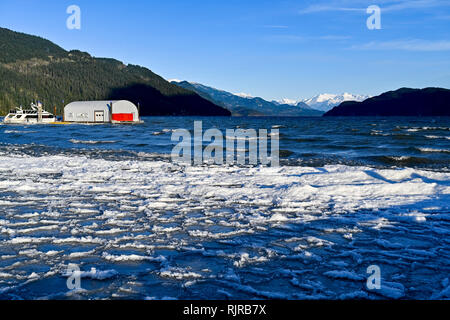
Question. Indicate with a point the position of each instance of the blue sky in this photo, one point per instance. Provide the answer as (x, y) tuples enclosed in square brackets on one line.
[(271, 49)]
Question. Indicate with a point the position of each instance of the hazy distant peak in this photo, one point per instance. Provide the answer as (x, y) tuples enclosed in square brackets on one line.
[(175, 80), (244, 95)]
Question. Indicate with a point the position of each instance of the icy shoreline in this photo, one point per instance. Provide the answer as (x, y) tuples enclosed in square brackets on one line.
[(221, 232)]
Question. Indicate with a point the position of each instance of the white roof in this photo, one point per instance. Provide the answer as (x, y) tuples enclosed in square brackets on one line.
[(101, 104), (95, 103)]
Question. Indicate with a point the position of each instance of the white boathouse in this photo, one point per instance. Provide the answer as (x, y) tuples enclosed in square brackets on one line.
[(120, 111)]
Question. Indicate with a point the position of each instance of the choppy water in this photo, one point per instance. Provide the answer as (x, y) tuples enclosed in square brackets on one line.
[(350, 193), (382, 142)]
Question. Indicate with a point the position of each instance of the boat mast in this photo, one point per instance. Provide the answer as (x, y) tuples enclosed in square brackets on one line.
[(39, 106)]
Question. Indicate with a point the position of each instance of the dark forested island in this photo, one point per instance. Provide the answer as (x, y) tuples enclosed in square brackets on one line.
[(402, 102), (32, 68)]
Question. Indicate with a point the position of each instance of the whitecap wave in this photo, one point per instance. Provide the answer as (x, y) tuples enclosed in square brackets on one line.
[(74, 141)]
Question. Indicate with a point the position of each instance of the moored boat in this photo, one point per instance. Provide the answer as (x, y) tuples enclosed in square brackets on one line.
[(35, 115)]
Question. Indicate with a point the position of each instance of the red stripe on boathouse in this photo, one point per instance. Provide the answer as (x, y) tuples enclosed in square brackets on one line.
[(122, 117)]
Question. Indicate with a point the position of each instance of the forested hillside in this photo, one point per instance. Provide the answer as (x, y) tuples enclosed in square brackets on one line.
[(32, 68)]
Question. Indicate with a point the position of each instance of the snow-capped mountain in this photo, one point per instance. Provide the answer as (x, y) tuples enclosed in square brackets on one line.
[(326, 102), (292, 102), (242, 104)]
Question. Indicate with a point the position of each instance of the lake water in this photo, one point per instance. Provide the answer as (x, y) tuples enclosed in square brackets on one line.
[(350, 193)]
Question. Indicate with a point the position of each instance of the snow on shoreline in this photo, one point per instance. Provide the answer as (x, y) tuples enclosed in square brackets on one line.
[(315, 230)]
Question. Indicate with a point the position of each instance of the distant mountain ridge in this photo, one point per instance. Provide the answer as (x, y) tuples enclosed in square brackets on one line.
[(401, 102), (245, 105), (325, 102), (33, 68)]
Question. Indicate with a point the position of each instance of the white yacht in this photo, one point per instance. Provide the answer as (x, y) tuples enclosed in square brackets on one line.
[(29, 116)]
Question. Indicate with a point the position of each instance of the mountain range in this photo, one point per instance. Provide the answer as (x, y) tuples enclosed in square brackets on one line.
[(326, 102), (245, 105), (33, 68), (241, 104)]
